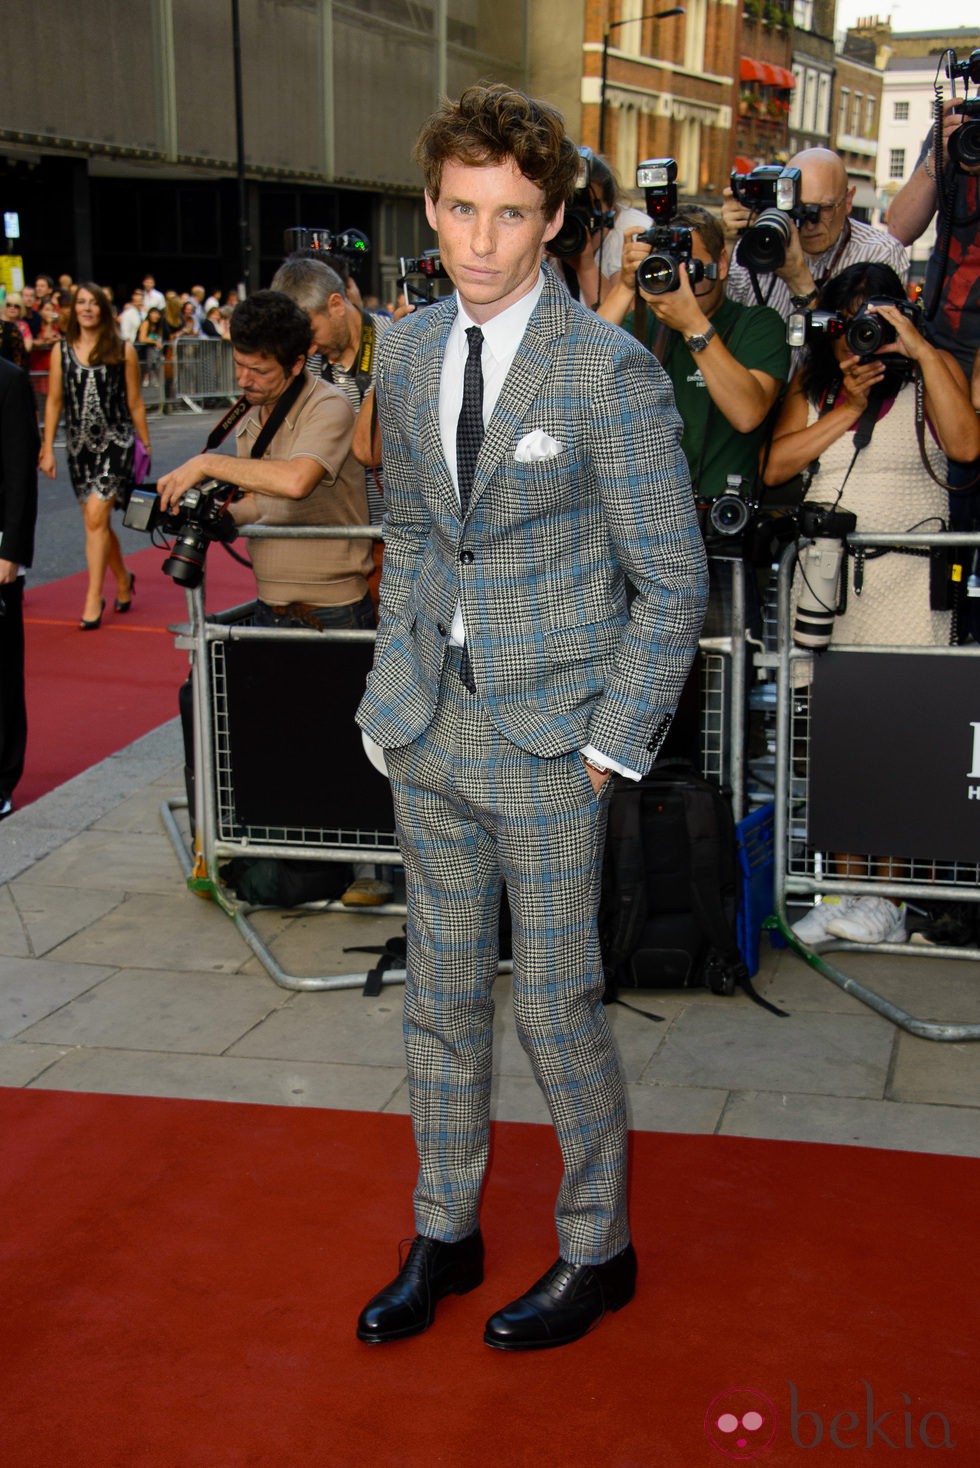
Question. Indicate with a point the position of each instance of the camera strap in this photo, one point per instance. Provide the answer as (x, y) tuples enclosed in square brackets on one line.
[(268, 430), (365, 356)]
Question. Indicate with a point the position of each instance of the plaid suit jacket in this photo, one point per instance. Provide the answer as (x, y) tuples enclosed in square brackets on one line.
[(541, 560)]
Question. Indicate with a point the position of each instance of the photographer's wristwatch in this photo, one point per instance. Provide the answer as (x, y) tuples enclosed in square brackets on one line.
[(700, 341)]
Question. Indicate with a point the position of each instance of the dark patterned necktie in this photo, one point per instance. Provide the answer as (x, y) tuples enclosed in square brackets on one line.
[(469, 437), (469, 427)]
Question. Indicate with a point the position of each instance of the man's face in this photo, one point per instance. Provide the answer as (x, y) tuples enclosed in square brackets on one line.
[(492, 230), (823, 184), (331, 333), (709, 293), (137, 297), (41, 287), (28, 297), (261, 378)]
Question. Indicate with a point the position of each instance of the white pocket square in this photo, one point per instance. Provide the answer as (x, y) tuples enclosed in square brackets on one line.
[(537, 445)]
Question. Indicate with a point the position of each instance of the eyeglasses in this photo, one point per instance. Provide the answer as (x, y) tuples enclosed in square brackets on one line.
[(826, 210)]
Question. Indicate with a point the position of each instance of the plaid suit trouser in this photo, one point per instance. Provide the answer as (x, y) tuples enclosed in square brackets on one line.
[(474, 810)]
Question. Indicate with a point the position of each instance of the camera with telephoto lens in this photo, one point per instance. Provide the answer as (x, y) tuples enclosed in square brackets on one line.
[(200, 518), (583, 217), (772, 193), (353, 244), (426, 267), (671, 245), (964, 143), (822, 592)]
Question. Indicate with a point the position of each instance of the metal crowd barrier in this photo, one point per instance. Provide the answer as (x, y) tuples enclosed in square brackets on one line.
[(235, 815), (801, 868), (203, 370)]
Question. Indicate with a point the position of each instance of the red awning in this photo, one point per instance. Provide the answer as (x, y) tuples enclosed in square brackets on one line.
[(766, 74)]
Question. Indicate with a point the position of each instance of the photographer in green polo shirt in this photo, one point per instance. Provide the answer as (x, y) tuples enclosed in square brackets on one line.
[(727, 362)]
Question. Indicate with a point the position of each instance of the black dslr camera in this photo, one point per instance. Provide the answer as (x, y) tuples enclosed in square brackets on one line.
[(426, 267), (964, 144), (351, 243), (865, 333), (200, 518), (583, 218), (670, 245), (772, 193)]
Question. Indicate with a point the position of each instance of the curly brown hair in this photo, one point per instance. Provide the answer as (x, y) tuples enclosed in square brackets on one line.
[(492, 122)]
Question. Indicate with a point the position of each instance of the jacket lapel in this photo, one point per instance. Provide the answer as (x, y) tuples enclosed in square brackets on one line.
[(429, 360), (528, 370)]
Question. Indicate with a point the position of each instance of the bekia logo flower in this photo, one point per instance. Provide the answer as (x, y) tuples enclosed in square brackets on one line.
[(741, 1423)]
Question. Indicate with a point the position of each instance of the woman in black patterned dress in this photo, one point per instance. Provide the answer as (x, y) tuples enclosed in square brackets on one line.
[(95, 378)]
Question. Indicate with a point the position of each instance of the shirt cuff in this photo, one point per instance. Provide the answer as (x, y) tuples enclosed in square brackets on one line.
[(590, 752)]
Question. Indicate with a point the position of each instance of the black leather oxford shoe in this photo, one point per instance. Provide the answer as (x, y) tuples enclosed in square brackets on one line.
[(432, 1270), (564, 1304)]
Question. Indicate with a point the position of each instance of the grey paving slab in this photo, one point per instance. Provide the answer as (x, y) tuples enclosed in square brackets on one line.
[(23, 843), (728, 1048), (936, 1072), (336, 1025), (849, 1121), (697, 1109), (217, 1078), (13, 932), (149, 1010), (139, 812), (114, 861), (176, 932), (32, 989), (20, 1064), (50, 915)]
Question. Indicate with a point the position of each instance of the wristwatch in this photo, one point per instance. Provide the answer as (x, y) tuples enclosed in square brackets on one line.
[(699, 342), (800, 303), (596, 765)]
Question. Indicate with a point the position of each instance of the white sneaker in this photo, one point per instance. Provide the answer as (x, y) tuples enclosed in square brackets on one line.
[(870, 920), (812, 927)]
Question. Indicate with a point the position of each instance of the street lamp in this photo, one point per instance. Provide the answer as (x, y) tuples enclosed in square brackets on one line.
[(614, 26)]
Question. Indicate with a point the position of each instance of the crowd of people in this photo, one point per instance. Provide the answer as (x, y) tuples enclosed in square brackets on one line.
[(539, 442)]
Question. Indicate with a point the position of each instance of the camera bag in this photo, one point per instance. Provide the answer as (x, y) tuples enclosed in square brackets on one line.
[(671, 886)]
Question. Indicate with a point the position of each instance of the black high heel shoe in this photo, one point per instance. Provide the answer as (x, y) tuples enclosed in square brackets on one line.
[(95, 624), (124, 606)]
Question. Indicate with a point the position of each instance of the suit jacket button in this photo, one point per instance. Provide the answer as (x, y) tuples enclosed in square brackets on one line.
[(466, 557)]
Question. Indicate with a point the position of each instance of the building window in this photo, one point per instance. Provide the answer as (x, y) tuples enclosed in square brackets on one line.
[(845, 102), (900, 112), (855, 126), (869, 117), (803, 15), (896, 163)]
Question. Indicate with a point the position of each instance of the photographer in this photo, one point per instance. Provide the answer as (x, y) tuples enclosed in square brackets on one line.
[(345, 341), (597, 223), (818, 248), (304, 475), (726, 363), (956, 279), (884, 483)]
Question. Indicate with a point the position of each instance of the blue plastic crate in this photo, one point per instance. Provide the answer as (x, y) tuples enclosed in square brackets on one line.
[(756, 858)]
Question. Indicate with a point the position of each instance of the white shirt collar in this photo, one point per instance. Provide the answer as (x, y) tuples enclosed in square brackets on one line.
[(502, 334)]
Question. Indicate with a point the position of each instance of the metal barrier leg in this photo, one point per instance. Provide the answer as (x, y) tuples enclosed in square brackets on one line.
[(239, 913), (924, 1029)]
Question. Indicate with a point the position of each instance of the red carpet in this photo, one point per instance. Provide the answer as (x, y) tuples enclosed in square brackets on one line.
[(181, 1282), (91, 693)]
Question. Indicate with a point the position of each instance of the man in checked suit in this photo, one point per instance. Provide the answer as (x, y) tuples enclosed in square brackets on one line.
[(531, 467)]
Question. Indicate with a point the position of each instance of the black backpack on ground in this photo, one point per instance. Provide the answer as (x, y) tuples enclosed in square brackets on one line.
[(671, 887)]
